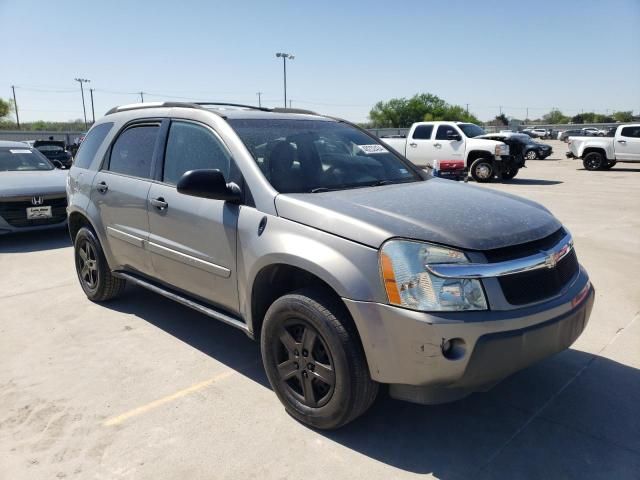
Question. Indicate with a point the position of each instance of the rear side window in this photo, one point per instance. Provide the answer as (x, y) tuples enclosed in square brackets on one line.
[(90, 145), (423, 132), (443, 132), (132, 153), (632, 132), (193, 147)]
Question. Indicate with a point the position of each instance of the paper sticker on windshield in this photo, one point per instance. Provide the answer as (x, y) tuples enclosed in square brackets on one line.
[(19, 151), (371, 149)]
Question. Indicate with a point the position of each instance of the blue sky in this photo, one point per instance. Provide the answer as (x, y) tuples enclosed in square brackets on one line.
[(540, 54)]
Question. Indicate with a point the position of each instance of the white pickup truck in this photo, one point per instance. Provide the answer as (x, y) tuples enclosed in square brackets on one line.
[(602, 153), (430, 142)]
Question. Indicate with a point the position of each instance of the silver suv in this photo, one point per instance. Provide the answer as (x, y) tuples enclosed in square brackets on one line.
[(351, 266)]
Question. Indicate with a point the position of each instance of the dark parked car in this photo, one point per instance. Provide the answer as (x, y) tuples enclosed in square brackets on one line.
[(521, 146), (572, 133), (55, 150)]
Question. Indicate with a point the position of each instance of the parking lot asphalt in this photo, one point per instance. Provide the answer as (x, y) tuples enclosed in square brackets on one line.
[(143, 388)]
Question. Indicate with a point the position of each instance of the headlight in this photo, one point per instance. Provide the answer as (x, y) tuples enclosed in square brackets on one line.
[(409, 284), (502, 149)]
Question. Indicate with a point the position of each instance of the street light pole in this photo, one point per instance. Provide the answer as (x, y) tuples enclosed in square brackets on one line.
[(284, 66), (15, 105), (259, 99), (93, 112), (84, 110)]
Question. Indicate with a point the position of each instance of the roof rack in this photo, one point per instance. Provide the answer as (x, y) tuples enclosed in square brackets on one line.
[(225, 104), (201, 105), (136, 106)]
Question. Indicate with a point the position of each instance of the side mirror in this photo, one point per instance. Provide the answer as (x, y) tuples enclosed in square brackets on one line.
[(454, 136), (208, 184)]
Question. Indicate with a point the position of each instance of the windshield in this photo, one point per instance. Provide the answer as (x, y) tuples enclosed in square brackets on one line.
[(471, 130), (310, 156), (50, 148), (22, 159)]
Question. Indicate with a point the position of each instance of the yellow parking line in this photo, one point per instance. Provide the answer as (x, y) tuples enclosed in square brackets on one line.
[(170, 398)]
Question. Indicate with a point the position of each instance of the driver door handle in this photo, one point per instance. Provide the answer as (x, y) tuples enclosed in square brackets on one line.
[(622, 141), (102, 187), (159, 203), (437, 145), (414, 145)]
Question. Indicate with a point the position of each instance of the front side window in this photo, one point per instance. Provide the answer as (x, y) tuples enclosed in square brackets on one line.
[(471, 130), (632, 132), (423, 132), (444, 131), (193, 147), (310, 156), (23, 160), (89, 147), (132, 153)]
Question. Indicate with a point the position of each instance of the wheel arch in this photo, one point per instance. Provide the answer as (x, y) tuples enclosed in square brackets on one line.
[(475, 154), (599, 150)]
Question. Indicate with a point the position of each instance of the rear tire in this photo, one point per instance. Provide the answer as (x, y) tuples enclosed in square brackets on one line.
[(482, 170), (531, 155), (314, 360), (594, 161), (95, 277)]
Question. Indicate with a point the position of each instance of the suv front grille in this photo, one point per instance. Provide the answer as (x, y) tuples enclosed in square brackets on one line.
[(14, 212), (537, 285)]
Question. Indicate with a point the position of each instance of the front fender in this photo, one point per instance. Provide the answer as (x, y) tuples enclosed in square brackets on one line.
[(349, 268)]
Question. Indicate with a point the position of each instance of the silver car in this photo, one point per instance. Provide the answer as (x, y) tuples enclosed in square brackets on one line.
[(32, 191), (351, 266)]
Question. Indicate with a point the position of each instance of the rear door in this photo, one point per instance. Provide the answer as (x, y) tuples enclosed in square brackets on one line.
[(627, 144), (193, 240), (445, 149), (120, 190), (420, 145)]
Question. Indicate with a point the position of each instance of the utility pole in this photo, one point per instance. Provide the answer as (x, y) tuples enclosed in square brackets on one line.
[(141, 97), (259, 99), (284, 66), (15, 105), (84, 110), (527, 117), (467, 109), (290, 103), (93, 112), (500, 109)]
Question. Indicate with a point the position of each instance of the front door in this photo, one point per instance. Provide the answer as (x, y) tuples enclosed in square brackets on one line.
[(120, 192), (445, 149), (193, 240), (627, 144)]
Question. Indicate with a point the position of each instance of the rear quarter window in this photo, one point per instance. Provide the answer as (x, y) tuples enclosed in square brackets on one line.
[(89, 147)]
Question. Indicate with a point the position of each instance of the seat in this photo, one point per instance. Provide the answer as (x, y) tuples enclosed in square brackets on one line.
[(283, 175)]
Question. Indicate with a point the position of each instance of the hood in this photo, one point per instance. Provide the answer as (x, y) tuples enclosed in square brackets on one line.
[(476, 142), (439, 211), (45, 182)]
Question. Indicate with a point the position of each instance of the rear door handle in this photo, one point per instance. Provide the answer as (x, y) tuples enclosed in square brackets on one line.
[(622, 141), (437, 145), (159, 203), (102, 187), (414, 145)]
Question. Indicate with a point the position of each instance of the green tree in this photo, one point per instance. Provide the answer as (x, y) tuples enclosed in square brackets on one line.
[(577, 118), (6, 107), (402, 112), (555, 116), (623, 116), (502, 119)]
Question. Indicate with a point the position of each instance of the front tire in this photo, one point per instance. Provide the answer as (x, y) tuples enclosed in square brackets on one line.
[(510, 173), (314, 360), (482, 170), (531, 155), (594, 161), (95, 277)]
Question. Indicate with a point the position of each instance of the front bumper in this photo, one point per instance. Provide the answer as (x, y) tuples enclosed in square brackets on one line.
[(404, 347)]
